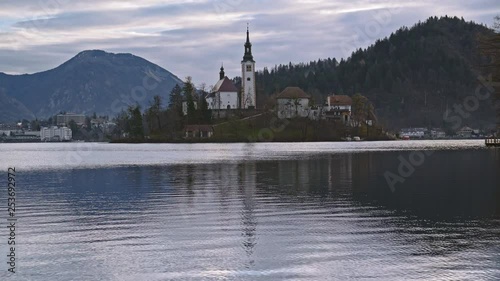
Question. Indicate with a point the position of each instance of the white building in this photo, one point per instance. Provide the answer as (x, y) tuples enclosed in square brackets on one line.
[(465, 132), (248, 95), (56, 134), (5, 133), (437, 133), (292, 102), (64, 119), (338, 107), (413, 133), (224, 95)]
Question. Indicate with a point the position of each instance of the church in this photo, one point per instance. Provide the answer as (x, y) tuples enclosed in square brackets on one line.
[(225, 95)]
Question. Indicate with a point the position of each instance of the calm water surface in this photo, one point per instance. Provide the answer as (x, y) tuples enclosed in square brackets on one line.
[(303, 211)]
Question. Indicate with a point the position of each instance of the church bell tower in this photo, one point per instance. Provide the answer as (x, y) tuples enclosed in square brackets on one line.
[(248, 95)]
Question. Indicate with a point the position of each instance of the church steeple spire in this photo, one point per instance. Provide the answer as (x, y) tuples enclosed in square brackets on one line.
[(248, 48), (221, 73)]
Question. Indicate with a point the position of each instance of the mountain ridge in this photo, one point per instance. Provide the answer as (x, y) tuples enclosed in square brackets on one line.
[(91, 81)]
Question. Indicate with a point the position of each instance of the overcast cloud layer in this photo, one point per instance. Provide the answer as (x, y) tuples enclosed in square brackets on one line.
[(194, 37)]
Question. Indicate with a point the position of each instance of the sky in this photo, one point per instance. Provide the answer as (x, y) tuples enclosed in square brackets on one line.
[(193, 37)]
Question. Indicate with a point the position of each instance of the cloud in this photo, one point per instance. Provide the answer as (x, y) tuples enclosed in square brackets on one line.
[(194, 37)]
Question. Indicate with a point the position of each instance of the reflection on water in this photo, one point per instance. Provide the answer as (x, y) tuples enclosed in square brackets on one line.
[(322, 217)]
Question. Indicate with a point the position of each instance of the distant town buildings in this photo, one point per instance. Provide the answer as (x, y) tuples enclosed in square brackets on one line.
[(438, 133), (56, 134), (465, 132), (64, 119), (103, 124), (413, 133)]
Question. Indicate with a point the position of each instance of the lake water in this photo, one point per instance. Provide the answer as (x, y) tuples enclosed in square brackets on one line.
[(301, 211)]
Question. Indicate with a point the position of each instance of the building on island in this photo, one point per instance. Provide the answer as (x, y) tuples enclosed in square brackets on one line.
[(224, 94), (338, 107), (249, 92), (56, 134), (64, 119), (292, 102)]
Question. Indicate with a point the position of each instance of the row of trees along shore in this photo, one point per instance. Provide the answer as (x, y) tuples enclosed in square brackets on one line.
[(162, 123)]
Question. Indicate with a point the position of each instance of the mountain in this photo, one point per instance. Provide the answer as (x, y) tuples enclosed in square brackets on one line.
[(412, 77), (92, 81)]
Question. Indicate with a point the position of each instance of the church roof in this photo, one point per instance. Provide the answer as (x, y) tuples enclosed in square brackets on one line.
[(293, 93), (225, 85), (340, 100)]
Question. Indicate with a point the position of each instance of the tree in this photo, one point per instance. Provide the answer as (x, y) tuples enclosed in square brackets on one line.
[(361, 109), (205, 114), (74, 127), (490, 47), (135, 127), (35, 125), (153, 114), (188, 91), (176, 99)]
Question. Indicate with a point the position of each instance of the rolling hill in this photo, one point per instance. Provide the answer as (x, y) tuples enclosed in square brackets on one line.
[(412, 77)]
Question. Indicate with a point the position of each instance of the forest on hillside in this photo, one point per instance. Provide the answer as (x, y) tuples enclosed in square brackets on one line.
[(412, 77)]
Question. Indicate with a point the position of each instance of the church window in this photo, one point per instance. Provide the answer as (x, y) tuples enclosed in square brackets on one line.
[(248, 79), (249, 68)]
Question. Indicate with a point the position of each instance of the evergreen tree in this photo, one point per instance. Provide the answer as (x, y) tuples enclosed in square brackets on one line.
[(135, 127), (189, 93), (176, 99)]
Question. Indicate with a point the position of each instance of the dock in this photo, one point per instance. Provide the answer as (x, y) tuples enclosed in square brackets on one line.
[(493, 142)]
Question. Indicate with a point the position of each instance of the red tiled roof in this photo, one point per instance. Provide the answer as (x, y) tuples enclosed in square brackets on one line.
[(225, 85), (340, 100), (293, 93)]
